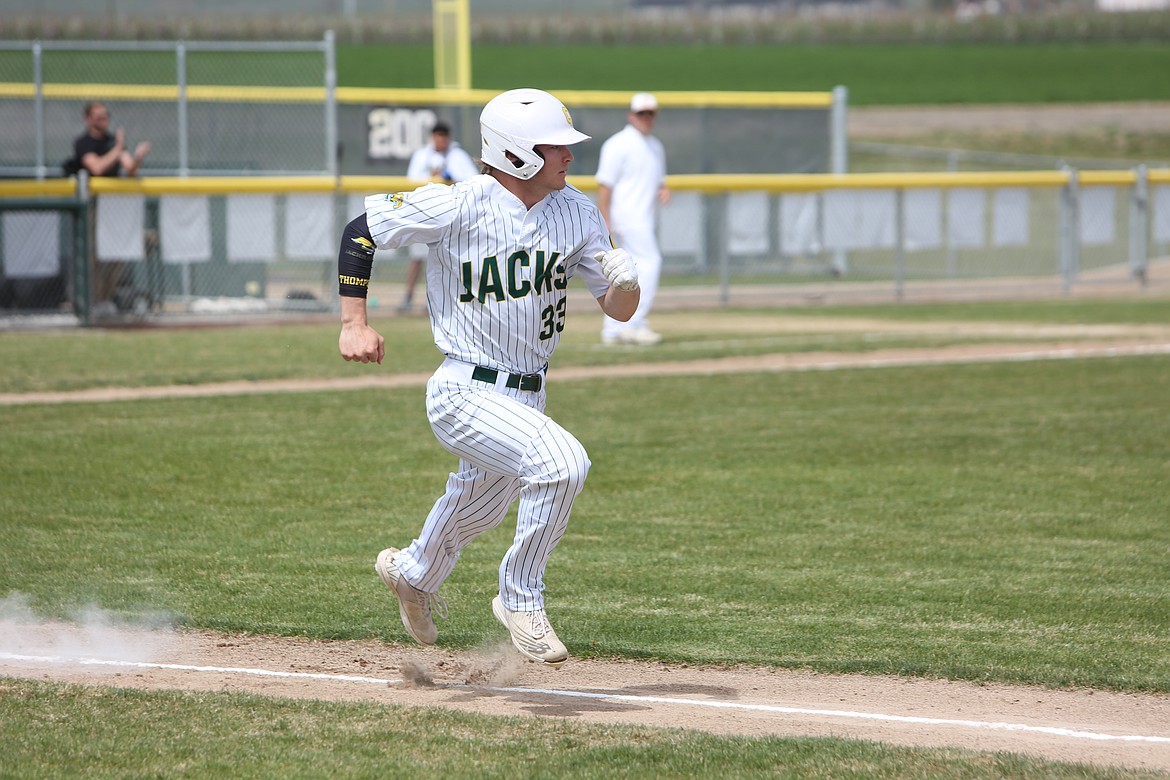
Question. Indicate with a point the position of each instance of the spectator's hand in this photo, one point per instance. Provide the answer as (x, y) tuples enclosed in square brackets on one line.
[(141, 151), (120, 138)]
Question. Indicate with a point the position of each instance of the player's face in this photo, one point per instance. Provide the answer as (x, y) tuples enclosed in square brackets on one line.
[(556, 166)]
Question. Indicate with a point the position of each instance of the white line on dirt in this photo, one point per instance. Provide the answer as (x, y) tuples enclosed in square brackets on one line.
[(974, 724), (714, 704), (64, 660)]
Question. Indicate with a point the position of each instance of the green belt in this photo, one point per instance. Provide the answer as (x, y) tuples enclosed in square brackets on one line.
[(529, 382)]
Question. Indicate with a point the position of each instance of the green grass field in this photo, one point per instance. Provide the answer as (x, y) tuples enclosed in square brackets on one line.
[(874, 74), (69, 731), (877, 74), (988, 522)]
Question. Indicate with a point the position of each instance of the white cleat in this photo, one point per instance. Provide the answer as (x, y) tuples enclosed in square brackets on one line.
[(532, 635), (644, 337), (640, 337), (414, 605)]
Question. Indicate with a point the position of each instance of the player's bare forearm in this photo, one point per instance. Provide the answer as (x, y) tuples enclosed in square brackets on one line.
[(620, 304), (358, 341)]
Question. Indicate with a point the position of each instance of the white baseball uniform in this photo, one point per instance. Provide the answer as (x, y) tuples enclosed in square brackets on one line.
[(497, 278), (427, 163), (633, 166)]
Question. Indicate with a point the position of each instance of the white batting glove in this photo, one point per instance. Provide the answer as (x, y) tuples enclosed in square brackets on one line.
[(618, 267)]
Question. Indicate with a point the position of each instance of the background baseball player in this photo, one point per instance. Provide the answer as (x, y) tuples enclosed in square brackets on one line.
[(631, 172), (503, 247), (442, 159)]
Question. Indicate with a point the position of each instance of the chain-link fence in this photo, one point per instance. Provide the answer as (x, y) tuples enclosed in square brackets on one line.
[(701, 132), (212, 247), (1017, 234), (242, 109), (1045, 228), (196, 243), (41, 241), (234, 108), (227, 108)]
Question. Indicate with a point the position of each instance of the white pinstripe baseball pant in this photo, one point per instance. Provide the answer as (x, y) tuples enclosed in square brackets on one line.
[(507, 447)]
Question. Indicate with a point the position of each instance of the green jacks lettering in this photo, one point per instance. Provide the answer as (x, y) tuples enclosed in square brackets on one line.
[(514, 280)]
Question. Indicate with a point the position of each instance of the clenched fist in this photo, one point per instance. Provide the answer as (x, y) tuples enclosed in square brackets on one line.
[(618, 267)]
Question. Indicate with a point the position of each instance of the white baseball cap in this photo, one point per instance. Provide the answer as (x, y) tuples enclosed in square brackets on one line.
[(643, 101)]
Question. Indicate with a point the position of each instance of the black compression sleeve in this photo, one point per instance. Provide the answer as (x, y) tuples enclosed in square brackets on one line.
[(355, 259)]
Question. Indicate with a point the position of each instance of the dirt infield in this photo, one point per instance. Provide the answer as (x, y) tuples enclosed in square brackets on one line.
[(1159, 344), (1085, 726)]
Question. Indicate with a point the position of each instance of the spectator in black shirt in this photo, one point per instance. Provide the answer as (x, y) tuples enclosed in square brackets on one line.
[(101, 153)]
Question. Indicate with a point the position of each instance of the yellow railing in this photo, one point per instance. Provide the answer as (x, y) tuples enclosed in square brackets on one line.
[(38, 188), (703, 183), (367, 95)]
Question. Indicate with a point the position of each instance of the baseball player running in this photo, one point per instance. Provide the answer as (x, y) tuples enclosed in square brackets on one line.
[(503, 246)]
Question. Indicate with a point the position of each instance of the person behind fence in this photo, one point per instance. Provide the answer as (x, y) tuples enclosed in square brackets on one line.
[(504, 246), (440, 160), (101, 152), (631, 174)]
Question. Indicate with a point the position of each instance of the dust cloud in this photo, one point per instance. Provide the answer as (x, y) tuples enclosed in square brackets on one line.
[(92, 634)]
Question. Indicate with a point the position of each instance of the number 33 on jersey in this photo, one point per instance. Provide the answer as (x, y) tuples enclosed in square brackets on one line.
[(521, 276)]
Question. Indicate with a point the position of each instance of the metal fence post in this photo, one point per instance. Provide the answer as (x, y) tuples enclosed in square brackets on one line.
[(717, 230), (39, 108), (83, 229), (181, 76), (838, 135), (331, 166), (900, 242), (952, 253), (1139, 225), (1070, 238), (839, 159)]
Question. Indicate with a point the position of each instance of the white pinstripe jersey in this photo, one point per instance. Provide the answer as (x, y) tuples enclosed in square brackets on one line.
[(497, 273)]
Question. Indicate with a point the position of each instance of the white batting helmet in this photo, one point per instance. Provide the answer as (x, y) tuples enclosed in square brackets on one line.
[(516, 121)]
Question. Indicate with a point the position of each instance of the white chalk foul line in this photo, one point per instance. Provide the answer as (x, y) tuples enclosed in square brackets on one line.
[(59, 659), (976, 724), (846, 714)]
